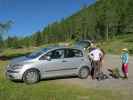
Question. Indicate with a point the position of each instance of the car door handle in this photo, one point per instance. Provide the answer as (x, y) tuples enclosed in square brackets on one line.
[(64, 61), (82, 59)]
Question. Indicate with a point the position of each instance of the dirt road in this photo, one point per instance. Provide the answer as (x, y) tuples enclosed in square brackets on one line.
[(111, 61)]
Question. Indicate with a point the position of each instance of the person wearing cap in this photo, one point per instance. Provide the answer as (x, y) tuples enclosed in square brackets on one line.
[(124, 60)]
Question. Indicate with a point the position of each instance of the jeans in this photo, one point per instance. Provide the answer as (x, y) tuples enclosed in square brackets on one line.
[(95, 68)]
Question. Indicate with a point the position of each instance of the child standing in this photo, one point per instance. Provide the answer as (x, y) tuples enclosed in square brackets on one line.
[(124, 59)]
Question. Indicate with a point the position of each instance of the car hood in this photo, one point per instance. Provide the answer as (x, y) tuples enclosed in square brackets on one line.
[(22, 59)]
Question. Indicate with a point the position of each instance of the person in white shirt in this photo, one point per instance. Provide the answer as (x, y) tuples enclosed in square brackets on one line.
[(96, 56)]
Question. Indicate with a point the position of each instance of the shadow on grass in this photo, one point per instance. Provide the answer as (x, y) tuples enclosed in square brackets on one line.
[(47, 79), (5, 57), (59, 78)]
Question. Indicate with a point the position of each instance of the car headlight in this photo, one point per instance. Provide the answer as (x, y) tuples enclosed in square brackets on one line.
[(16, 66)]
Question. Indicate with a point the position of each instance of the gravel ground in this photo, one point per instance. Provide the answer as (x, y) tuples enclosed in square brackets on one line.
[(110, 61)]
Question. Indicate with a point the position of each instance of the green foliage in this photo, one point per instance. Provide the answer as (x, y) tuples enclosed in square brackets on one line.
[(53, 90), (4, 27), (112, 17), (116, 44), (116, 73), (103, 20), (1, 42)]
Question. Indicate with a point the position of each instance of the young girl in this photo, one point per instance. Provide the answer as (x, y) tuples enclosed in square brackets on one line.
[(124, 59)]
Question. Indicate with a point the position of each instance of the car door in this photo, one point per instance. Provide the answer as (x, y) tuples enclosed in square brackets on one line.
[(73, 58), (53, 66)]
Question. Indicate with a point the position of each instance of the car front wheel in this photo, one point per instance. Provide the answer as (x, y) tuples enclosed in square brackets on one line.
[(31, 76)]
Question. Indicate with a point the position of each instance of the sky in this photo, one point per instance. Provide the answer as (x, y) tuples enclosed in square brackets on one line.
[(30, 16)]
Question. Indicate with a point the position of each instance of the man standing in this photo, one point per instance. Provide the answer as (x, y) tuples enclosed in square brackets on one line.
[(95, 56)]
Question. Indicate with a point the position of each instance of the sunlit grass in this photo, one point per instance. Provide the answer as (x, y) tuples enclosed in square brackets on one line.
[(115, 45), (52, 89)]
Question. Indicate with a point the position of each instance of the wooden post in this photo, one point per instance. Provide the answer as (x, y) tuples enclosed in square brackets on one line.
[(107, 32)]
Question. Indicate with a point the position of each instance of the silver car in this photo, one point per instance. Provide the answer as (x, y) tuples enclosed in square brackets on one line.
[(49, 63)]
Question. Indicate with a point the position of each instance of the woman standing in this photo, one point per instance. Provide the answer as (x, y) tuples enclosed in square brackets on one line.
[(124, 60)]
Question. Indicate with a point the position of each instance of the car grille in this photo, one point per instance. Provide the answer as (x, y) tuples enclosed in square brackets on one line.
[(11, 71)]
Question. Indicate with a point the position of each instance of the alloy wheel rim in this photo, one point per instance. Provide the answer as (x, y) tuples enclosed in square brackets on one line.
[(84, 72), (31, 76)]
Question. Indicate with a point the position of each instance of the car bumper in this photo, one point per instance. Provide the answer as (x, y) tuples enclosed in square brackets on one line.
[(13, 75)]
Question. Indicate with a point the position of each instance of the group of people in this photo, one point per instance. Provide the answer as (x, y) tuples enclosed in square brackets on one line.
[(96, 56)]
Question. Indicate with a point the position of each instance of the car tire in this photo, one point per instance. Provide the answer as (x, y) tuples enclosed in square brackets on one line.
[(31, 76), (84, 72)]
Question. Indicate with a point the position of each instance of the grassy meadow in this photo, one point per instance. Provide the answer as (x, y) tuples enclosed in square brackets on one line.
[(49, 89), (115, 44)]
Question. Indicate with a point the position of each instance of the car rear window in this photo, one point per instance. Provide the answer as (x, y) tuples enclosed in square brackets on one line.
[(69, 53)]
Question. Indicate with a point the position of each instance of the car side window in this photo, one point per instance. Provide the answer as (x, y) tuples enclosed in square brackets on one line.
[(56, 54), (70, 53), (78, 53)]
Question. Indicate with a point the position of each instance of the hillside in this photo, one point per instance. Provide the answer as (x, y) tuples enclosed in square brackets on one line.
[(103, 20), (116, 44)]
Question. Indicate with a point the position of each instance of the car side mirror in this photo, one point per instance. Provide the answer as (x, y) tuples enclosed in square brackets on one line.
[(48, 58), (45, 58)]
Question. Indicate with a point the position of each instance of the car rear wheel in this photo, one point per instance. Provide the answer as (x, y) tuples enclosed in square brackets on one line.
[(84, 72), (31, 76)]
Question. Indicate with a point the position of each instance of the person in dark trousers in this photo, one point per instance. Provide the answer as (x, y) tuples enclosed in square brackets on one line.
[(96, 56)]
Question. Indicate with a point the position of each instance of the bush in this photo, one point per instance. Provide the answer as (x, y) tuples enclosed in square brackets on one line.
[(131, 51), (116, 73)]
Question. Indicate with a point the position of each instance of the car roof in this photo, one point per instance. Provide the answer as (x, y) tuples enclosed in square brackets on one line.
[(60, 47), (67, 48), (85, 41)]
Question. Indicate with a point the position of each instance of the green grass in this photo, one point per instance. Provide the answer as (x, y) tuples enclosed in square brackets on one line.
[(53, 90), (115, 45), (50, 89), (11, 53)]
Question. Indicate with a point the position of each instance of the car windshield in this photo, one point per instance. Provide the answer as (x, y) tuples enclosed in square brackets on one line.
[(37, 53), (82, 44)]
